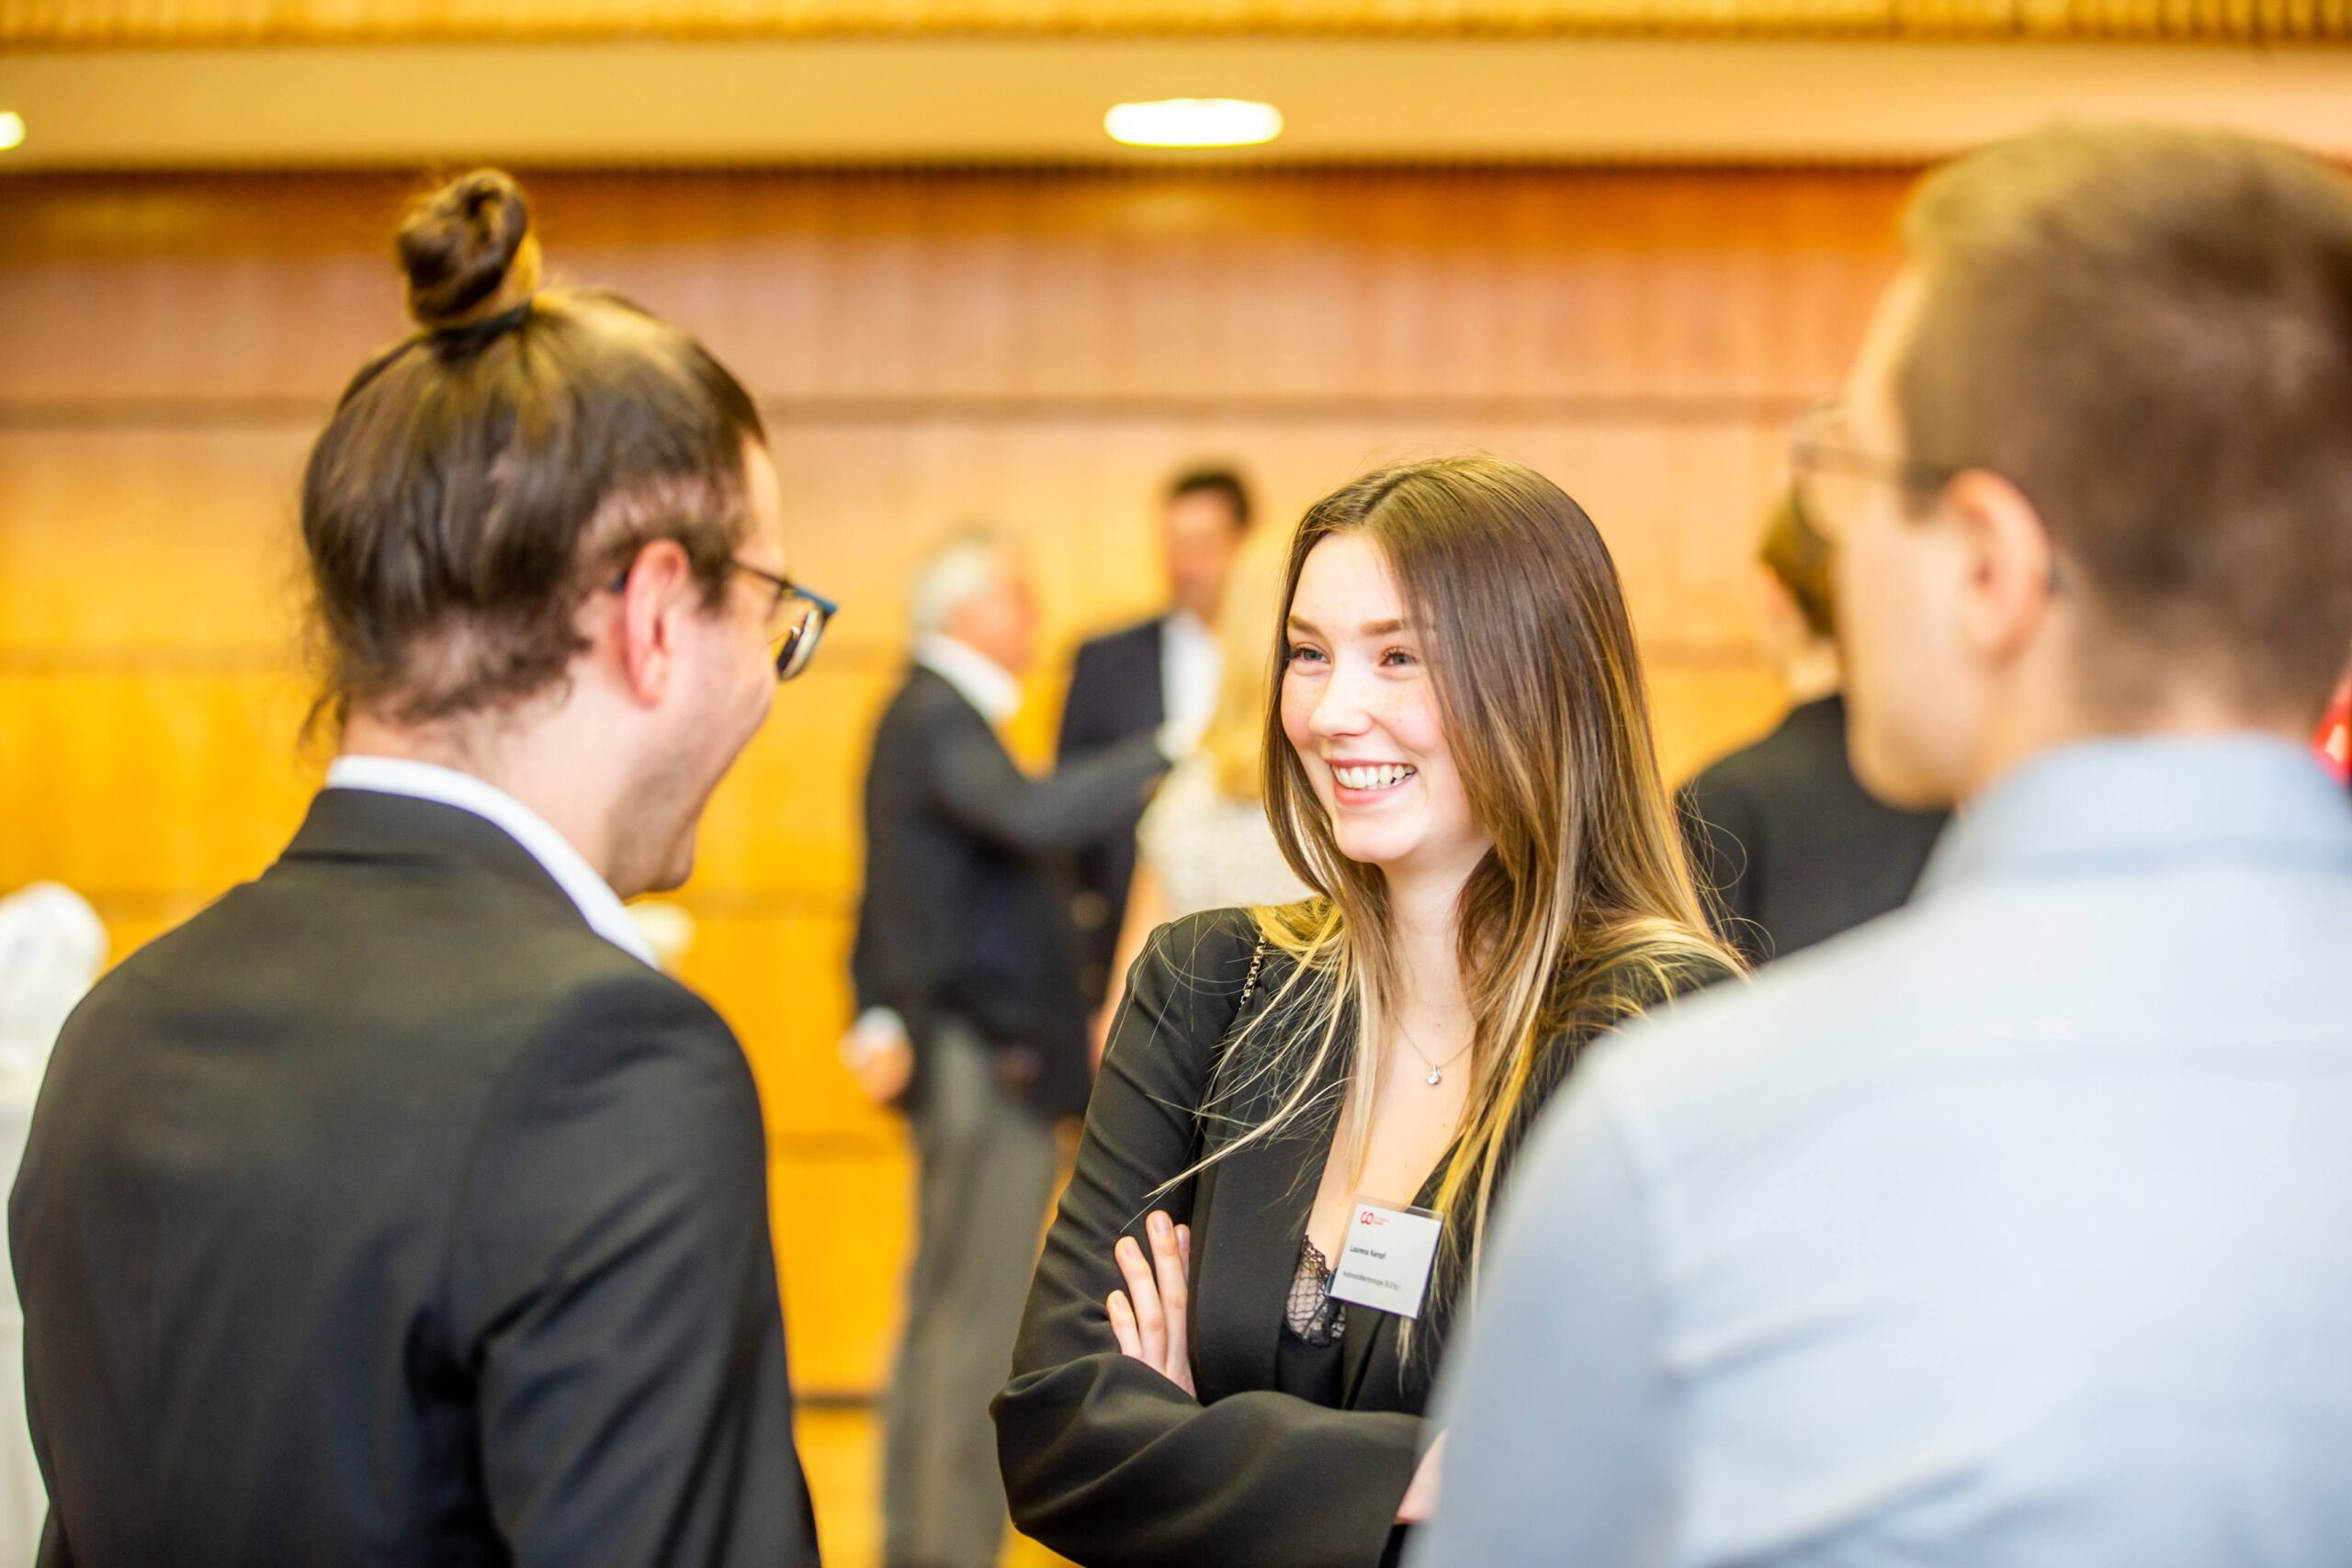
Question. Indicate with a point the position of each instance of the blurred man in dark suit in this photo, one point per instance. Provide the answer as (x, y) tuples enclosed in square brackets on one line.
[(1159, 671), (967, 971), (1782, 835), (396, 1211)]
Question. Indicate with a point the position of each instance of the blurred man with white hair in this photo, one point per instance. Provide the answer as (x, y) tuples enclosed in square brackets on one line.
[(972, 1019)]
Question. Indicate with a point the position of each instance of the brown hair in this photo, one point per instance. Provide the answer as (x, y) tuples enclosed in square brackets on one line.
[(1584, 909), (1226, 484), (2149, 333), (478, 480), (1798, 557)]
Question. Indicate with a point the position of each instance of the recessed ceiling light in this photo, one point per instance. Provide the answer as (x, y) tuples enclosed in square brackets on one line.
[(1194, 122), (12, 130)]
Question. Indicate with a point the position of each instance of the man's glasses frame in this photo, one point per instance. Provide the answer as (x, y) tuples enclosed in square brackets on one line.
[(797, 644), (1817, 452)]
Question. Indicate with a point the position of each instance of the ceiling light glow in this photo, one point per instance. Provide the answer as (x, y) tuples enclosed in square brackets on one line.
[(1194, 122), (12, 130)]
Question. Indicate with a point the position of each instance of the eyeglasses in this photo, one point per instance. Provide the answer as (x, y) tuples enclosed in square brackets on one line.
[(795, 637), (796, 618), (1833, 480)]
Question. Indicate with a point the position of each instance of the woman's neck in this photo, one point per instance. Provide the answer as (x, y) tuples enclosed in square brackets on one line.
[(1425, 926)]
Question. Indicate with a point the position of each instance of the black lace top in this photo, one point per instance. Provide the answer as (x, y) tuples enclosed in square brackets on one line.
[(1309, 1361), (1310, 1314)]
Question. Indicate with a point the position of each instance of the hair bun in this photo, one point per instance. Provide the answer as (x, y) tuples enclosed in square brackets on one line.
[(468, 251)]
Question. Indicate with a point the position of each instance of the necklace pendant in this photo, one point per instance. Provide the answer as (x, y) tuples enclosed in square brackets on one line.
[(1436, 1078)]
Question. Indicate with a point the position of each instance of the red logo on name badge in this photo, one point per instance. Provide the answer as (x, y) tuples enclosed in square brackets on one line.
[(1369, 1218)]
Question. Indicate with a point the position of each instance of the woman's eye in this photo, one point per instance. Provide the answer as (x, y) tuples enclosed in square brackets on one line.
[(1398, 658), (1297, 653)]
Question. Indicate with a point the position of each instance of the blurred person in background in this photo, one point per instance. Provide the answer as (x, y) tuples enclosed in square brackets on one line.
[(1459, 756), (967, 974), (52, 945), (2006, 1230), (1792, 847), (1204, 843), (1161, 671), (396, 1210)]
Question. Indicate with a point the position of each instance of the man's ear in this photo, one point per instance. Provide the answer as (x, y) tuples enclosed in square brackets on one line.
[(659, 594), (2008, 560)]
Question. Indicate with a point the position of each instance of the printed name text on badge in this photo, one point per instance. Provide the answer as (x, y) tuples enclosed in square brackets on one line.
[(1385, 1261)]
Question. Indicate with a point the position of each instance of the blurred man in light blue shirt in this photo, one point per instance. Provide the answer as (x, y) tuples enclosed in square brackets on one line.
[(2007, 1229)]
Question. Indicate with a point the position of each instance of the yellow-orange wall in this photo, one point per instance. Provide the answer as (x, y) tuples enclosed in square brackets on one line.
[(1038, 349)]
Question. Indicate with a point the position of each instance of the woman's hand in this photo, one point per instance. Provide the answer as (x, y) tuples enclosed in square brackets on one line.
[(1420, 1498), (1149, 1316)]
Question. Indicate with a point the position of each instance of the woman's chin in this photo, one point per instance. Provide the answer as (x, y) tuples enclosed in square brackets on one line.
[(1382, 850)]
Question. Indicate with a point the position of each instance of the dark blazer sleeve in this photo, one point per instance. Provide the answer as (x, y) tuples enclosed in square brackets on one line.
[(1722, 836), (1104, 1460), (974, 782), (614, 1282)]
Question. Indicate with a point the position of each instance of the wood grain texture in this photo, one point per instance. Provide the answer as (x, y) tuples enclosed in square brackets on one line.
[(1040, 350)]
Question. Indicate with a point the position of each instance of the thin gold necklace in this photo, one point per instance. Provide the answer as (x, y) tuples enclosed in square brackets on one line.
[(1437, 1069)]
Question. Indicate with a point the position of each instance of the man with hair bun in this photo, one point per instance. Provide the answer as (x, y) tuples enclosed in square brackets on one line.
[(396, 1210), (2007, 1229)]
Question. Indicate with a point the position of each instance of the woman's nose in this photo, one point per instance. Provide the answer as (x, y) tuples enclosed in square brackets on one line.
[(1340, 709)]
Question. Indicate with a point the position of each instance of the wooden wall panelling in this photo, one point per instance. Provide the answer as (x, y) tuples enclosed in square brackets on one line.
[(1001, 287)]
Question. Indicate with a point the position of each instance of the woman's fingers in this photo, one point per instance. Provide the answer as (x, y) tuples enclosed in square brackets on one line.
[(1144, 1295), (1168, 1273), (1123, 1326)]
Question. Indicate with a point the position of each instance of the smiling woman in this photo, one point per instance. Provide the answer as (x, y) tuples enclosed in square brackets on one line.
[(1459, 762)]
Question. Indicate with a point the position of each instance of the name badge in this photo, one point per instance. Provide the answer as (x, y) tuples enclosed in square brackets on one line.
[(1385, 1261)]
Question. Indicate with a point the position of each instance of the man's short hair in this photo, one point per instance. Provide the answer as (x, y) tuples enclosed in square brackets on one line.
[(1797, 555), (2149, 333), (958, 569), (1223, 482)]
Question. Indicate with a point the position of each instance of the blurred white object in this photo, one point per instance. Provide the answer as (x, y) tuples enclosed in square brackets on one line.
[(668, 928), (52, 945)]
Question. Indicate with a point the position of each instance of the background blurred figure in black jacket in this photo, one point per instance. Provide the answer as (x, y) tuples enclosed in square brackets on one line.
[(1782, 835), (1164, 670), (971, 1015)]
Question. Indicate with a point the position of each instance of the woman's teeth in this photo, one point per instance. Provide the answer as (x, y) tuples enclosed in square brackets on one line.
[(1385, 776)]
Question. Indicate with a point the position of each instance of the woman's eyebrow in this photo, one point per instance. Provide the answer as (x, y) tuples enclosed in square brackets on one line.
[(1370, 628)]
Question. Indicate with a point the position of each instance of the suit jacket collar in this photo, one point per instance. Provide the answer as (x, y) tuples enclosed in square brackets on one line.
[(364, 826)]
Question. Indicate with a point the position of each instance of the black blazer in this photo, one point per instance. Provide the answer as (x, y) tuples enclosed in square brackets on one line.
[(1110, 1463), (1115, 694), (385, 1215), (966, 910), (1792, 847)]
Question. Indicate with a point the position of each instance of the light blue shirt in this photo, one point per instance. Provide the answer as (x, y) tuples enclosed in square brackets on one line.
[(2015, 1228)]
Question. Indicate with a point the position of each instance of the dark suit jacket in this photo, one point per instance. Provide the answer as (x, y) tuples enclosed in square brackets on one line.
[(966, 911), (1107, 1461), (1794, 850), (1115, 694), (385, 1215)]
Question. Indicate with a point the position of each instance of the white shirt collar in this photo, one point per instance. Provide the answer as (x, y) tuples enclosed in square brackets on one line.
[(1185, 626), (1191, 663), (978, 679), (598, 905)]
